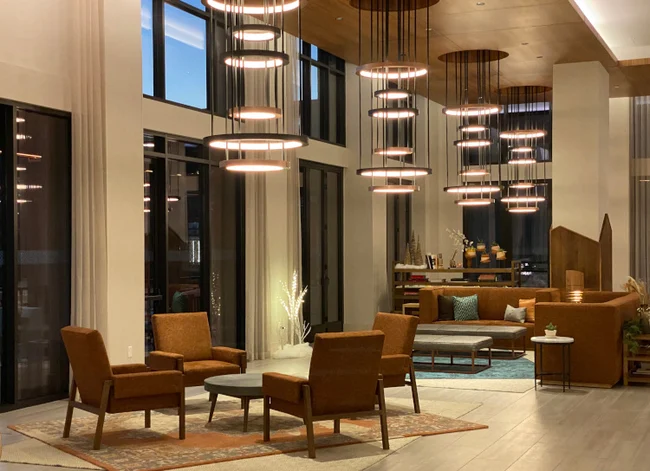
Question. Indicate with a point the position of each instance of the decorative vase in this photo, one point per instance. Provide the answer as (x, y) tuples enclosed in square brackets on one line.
[(470, 252), (480, 246), (501, 254), (550, 333), (452, 262), (495, 248), (485, 258)]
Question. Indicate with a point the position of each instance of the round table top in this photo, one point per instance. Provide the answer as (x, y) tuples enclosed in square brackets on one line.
[(548, 339), (236, 385)]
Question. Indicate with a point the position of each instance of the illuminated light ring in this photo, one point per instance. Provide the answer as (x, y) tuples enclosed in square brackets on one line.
[(476, 109), (474, 202), (474, 173), (393, 151), (523, 199), (246, 165), (394, 188), (256, 9), (522, 186), (393, 113), (255, 112), (523, 210), (523, 134), (256, 141), (392, 70), (256, 33), (392, 94), (522, 161), (473, 189), (472, 143), (394, 172), (521, 149), (473, 128), (255, 59)]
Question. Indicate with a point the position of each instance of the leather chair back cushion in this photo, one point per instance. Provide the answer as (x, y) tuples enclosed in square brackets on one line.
[(187, 334), (399, 330), (344, 371), (89, 360)]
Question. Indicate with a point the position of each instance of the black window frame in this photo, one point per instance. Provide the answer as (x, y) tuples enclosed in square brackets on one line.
[(159, 301), (328, 65), (214, 104)]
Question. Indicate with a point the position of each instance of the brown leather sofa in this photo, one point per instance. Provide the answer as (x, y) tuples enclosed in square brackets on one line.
[(183, 343), (120, 388), (344, 382), (596, 325), (492, 304)]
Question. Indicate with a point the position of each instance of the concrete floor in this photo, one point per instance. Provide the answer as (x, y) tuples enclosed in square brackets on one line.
[(582, 429)]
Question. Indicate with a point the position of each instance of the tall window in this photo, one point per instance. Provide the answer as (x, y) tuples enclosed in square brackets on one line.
[(523, 236), (176, 47), (398, 227), (321, 218), (323, 94), (35, 242), (193, 215)]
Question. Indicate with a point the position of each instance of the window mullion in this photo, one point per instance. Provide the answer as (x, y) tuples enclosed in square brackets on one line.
[(158, 26)]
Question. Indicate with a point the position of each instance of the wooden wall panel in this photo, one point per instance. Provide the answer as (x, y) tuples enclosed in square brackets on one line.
[(606, 270), (573, 251)]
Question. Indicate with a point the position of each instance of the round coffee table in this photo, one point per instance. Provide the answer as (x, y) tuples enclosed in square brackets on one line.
[(244, 386), (565, 343)]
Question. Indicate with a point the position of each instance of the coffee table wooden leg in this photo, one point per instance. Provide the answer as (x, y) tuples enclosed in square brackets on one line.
[(213, 403), (246, 402)]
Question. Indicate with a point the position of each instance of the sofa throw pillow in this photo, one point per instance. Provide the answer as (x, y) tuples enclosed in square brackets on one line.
[(529, 304), (515, 314), (466, 308), (445, 308)]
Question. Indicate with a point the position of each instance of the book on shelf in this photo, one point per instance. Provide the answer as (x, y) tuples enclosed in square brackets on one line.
[(487, 277)]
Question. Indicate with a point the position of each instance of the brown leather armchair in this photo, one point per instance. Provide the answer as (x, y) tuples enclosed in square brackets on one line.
[(344, 381), (123, 388), (183, 343), (396, 357)]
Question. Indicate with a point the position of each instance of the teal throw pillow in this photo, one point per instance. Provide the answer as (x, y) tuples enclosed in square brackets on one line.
[(466, 308)]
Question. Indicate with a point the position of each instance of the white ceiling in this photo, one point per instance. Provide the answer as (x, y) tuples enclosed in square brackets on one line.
[(624, 25)]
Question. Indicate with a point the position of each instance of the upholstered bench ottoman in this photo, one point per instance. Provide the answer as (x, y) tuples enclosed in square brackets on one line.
[(496, 332), (451, 344)]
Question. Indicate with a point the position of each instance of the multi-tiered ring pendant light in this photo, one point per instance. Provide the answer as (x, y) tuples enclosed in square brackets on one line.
[(257, 52), (524, 131), (391, 71), (472, 111)]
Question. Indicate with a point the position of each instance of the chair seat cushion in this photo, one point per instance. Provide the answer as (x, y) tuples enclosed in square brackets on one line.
[(394, 365), (198, 371)]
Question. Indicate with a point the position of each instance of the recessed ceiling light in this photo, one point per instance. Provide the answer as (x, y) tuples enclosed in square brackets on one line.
[(429, 29), (524, 44), (617, 86), (480, 4), (339, 18), (540, 57)]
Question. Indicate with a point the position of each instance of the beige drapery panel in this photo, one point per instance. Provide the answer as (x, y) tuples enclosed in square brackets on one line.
[(89, 248)]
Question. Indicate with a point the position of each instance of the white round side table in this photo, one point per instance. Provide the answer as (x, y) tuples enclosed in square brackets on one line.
[(565, 343)]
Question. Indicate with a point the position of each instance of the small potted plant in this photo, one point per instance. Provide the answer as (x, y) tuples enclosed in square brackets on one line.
[(470, 250), (550, 330), (485, 258), (495, 247), (480, 246), (501, 254)]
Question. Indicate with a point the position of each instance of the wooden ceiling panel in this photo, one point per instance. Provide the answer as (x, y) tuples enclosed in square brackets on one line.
[(553, 30)]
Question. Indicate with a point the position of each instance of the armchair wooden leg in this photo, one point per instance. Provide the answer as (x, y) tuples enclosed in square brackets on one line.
[(382, 415), (68, 415), (267, 419), (309, 423), (181, 415), (147, 419), (337, 425), (213, 403), (414, 388), (246, 404), (106, 391)]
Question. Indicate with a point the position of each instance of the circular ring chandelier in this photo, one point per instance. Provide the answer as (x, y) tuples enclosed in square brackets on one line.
[(472, 108), (394, 58), (525, 128), (260, 127)]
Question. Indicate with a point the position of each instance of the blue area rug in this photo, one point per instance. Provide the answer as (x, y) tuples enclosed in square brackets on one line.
[(520, 368)]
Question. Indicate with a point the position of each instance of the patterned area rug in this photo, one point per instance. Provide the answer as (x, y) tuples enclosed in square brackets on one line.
[(521, 368), (127, 446)]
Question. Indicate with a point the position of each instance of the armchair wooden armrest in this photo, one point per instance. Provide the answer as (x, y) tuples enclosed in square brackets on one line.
[(285, 387), (130, 368), (397, 364), (153, 383), (230, 355), (165, 361)]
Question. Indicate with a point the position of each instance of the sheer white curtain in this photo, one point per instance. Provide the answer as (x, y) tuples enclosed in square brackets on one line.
[(261, 328), (89, 264)]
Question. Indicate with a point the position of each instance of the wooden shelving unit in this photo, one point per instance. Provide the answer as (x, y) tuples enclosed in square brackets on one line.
[(405, 290), (630, 361)]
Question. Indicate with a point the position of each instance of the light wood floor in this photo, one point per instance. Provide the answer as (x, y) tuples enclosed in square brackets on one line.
[(584, 429)]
